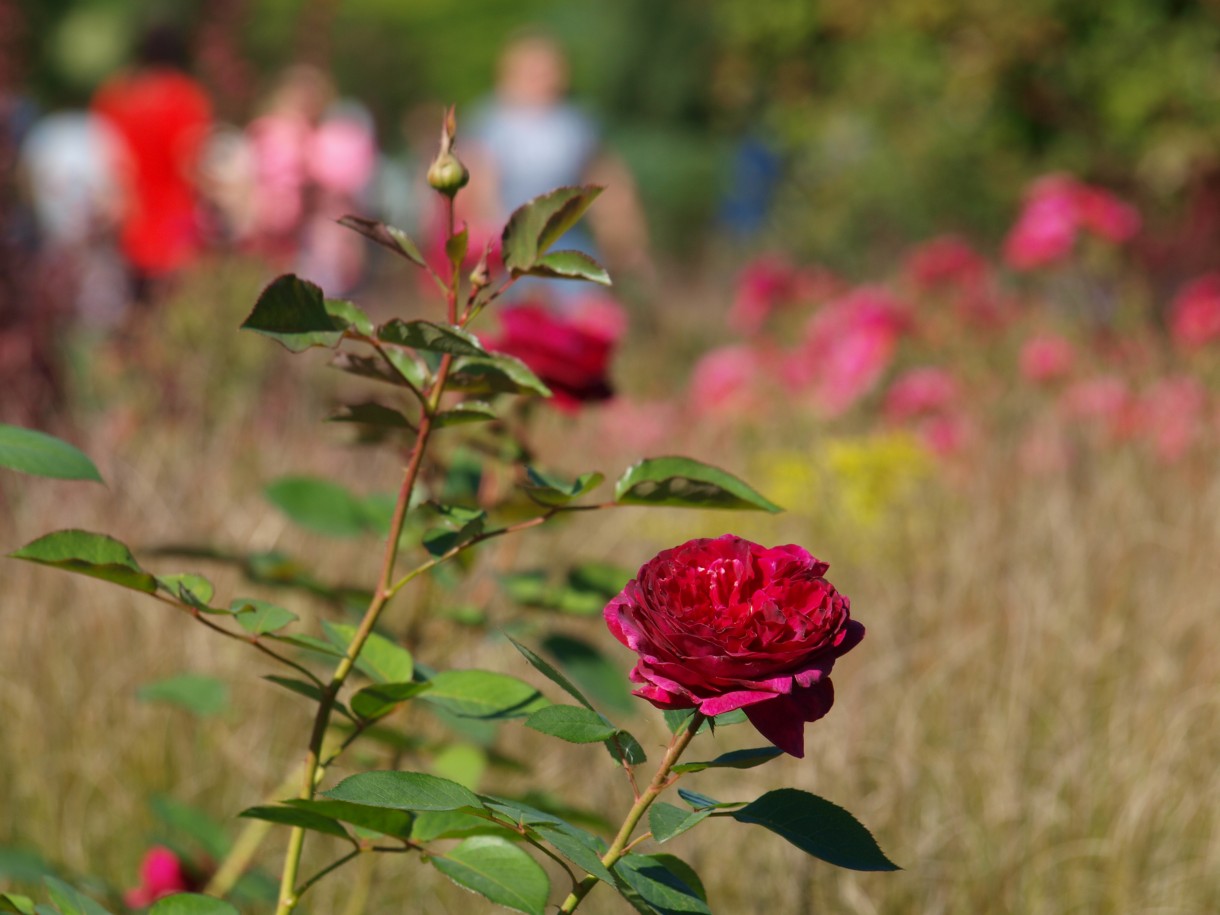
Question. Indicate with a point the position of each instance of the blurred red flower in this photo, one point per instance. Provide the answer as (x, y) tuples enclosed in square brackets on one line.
[(1046, 357), (162, 873), (1194, 319)]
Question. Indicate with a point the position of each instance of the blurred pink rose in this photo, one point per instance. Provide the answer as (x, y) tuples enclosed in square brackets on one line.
[(727, 624), (945, 434), (948, 260), (635, 427), (343, 155), (570, 353), (1106, 216), (726, 381), (1105, 400), (1171, 413), (1056, 208), (920, 392), (162, 873), (763, 284), (1194, 318), (1046, 357), (848, 346)]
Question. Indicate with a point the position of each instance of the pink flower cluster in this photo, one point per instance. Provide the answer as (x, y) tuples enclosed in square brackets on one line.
[(1057, 209)]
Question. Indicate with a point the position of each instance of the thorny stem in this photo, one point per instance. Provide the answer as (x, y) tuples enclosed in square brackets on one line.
[(622, 842)]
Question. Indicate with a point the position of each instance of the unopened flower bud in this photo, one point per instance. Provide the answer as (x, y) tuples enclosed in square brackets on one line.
[(447, 174), (480, 276)]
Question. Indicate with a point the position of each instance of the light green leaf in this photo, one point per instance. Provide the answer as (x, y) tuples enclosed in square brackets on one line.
[(453, 824), (320, 505), (818, 828), (686, 483), (570, 265), (349, 315), (572, 723), (380, 659), (499, 870), (191, 904), (193, 590), (90, 554), (20, 905), (483, 694), (258, 617), (430, 337), (412, 791), (374, 702), (33, 452), (549, 490), (196, 693), (293, 312), (498, 373), (666, 821), (471, 411)]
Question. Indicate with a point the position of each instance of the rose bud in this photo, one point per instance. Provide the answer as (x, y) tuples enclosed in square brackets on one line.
[(727, 624)]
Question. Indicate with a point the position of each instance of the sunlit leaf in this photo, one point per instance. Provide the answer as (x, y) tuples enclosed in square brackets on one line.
[(33, 452), (572, 723), (499, 870), (90, 554), (483, 694)]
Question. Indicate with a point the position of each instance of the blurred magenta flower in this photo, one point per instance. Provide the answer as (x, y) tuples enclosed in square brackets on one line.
[(1057, 208), (920, 392), (162, 873), (848, 346), (726, 381), (1105, 400), (1046, 357), (946, 261), (727, 624), (1194, 318), (570, 352), (763, 284), (1171, 414)]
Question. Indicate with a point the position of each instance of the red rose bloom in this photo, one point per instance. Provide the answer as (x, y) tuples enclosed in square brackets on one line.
[(727, 624), (571, 354), (162, 873)]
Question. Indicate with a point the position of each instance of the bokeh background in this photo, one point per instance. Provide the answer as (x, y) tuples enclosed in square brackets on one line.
[(938, 277)]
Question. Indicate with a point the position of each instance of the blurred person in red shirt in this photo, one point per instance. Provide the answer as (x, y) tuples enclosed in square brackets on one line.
[(162, 116)]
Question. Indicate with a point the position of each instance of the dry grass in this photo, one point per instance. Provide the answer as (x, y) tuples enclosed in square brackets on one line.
[(1031, 726)]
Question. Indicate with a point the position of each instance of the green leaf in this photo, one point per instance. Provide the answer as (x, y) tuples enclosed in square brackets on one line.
[(666, 821), (196, 693), (538, 224), (191, 904), (685, 483), (483, 694), (402, 371), (593, 672), (293, 312), (349, 315), (572, 723), (737, 759), (461, 526), (380, 659), (193, 590), (818, 828), (300, 687), (258, 617), (456, 247), (309, 643), (191, 822), (374, 702), (293, 816), (497, 373), (625, 749), (386, 822), (90, 554), (430, 337), (661, 884), (21, 905), (499, 870), (33, 452), (550, 673), (703, 802), (463, 763), (570, 265), (404, 791), (549, 490), (471, 411), (387, 236), (23, 865), (371, 413), (71, 901), (453, 824), (320, 506)]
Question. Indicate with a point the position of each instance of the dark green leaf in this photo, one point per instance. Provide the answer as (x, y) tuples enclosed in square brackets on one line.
[(686, 483), (498, 373), (538, 224), (292, 816), (371, 413), (703, 802), (430, 337), (461, 526), (380, 659), (625, 749), (543, 667), (818, 828), (386, 822), (570, 265), (550, 490), (737, 759), (33, 452), (259, 617), (499, 870), (376, 701), (404, 791), (389, 237), (90, 554), (572, 723), (661, 884), (395, 367), (667, 821), (191, 904), (320, 506), (578, 846), (483, 694), (472, 411), (196, 693), (293, 312)]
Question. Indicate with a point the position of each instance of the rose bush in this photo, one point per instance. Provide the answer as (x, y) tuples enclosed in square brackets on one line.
[(727, 624)]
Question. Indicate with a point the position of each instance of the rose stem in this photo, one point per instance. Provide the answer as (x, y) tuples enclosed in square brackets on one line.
[(659, 783)]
